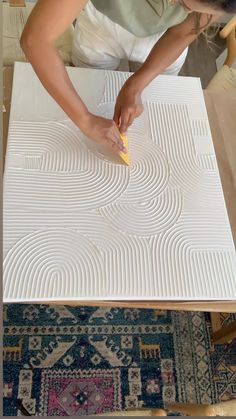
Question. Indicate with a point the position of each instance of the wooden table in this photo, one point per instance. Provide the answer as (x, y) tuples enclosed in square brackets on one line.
[(221, 113)]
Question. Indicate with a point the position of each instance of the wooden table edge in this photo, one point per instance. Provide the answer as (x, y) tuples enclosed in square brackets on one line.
[(206, 306)]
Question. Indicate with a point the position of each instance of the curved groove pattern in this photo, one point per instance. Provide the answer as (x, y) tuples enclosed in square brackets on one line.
[(146, 218), (178, 144), (58, 262), (92, 226), (150, 171), (172, 257), (65, 192), (59, 147), (128, 263), (62, 168), (78, 224)]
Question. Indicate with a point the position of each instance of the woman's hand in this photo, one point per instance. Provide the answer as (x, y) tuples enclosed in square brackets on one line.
[(103, 131), (128, 107)]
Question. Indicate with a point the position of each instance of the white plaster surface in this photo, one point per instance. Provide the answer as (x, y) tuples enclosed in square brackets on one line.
[(80, 225)]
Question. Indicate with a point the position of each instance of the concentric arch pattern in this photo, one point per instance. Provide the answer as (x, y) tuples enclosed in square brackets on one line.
[(54, 262), (198, 251), (62, 168), (80, 225), (146, 218), (150, 169)]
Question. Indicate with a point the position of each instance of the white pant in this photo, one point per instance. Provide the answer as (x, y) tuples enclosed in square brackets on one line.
[(101, 43)]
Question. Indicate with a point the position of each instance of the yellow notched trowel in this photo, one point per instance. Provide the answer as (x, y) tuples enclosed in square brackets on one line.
[(125, 156)]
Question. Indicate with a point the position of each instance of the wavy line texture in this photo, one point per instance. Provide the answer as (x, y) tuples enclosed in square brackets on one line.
[(63, 169), (196, 234), (55, 263), (146, 218), (80, 224), (197, 185)]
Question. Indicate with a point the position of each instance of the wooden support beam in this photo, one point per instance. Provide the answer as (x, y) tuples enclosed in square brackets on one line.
[(225, 334), (229, 27), (215, 322), (138, 412), (227, 408), (191, 409)]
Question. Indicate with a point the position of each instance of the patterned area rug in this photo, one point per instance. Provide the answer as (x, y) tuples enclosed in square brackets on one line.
[(64, 361)]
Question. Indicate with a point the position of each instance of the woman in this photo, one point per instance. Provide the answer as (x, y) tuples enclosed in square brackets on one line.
[(153, 33)]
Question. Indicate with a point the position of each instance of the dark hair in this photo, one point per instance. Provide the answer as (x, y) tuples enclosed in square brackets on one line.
[(227, 6)]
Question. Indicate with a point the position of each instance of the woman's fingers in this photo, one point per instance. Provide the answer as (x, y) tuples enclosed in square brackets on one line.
[(116, 117), (114, 140), (131, 119), (124, 121), (104, 131), (119, 141)]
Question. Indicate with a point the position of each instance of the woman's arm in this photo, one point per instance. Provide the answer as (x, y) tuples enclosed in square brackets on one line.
[(164, 53), (48, 20)]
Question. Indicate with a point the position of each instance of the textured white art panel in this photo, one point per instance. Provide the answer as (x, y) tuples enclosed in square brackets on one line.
[(78, 224)]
